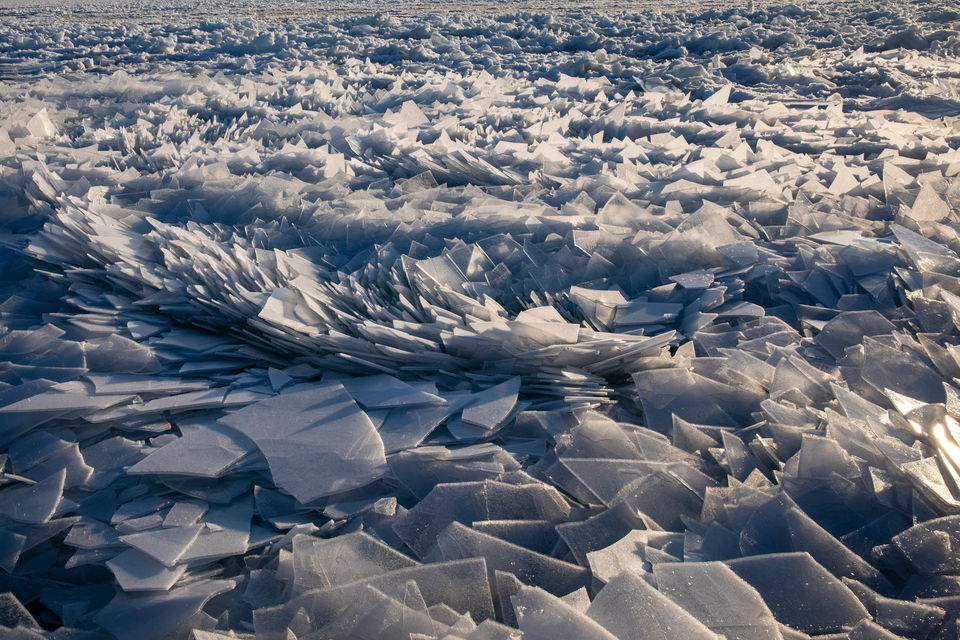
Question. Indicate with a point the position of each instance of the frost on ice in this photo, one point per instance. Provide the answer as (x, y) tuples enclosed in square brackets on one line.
[(619, 324)]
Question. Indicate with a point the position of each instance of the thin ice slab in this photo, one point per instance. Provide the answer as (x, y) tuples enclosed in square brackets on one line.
[(316, 440)]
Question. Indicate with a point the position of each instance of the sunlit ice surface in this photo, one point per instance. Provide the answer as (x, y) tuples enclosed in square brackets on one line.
[(479, 320)]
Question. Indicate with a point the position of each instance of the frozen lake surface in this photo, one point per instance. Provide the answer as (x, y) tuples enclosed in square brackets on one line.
[(479, 320)]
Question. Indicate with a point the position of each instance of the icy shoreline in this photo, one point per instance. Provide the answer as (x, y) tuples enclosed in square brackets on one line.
[(627, 325)]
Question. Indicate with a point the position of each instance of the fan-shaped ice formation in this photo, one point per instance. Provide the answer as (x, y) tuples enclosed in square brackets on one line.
[(633, 324)]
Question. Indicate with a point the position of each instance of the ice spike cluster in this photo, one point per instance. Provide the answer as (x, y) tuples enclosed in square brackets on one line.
[(430, 324)]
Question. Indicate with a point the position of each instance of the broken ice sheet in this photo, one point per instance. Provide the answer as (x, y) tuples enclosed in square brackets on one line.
[(184, 513), (800, 592), (316, 440), (405, 428), (542, 616), (623, 556), (458, 541), (630, 608), (642, 312), (930, 546), (166, 611), (137, 571), (320, 563), (491, 407), (206, 449), (384, 392), (421, 469), (373, 614), (120, 384), (717, 597), (204, 231), (470, 501), (34, 504), (461, 584), (33, 403), (225, 532), (164, 545)]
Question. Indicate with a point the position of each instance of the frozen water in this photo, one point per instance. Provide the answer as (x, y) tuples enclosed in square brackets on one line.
[(472, 501), (490, 408), (630, 608), (717, 597), (315, 438), (555, 576), (826, 605), (352, 320), (319, 563), (542, 616), (137, 571), (204, 449)]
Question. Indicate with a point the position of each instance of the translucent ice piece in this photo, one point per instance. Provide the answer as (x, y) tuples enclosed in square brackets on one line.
[(458, 541), (599, 531), (460, 584), (124, 616), (226, 532), (599, 437), (932, 546), (34, 448), (800, 593), (166, 545), (136, 571), (542, 616), (493, 630), (316, 440), (924, 253), (908, 619), (15, 425), (191, 401), (405, 428), (384, 392), (121, 384), (34, 504), (631, 609), (624, 556), (536, 535), (641, 312), (278, 379), (469, 501), (713, 594), (185, 513), (664, 497), (869, 630), (929, 205), (116, 353), (901, 371), (11, 546), (109, 458), (206, 450), (373, 614), (807, 535), (423, 468), (92, 534), (491, 407), (62, 402), (604, 478), (324, 563), (14, 615), (665, 393), (848, 329)]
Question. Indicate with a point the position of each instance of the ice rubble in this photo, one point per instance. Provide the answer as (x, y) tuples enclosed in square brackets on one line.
[(374, 326)]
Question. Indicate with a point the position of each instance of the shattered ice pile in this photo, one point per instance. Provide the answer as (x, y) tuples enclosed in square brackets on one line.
[(540, 325)]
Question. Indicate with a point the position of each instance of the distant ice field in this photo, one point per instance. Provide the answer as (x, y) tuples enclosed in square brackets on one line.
[(475, 321)]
